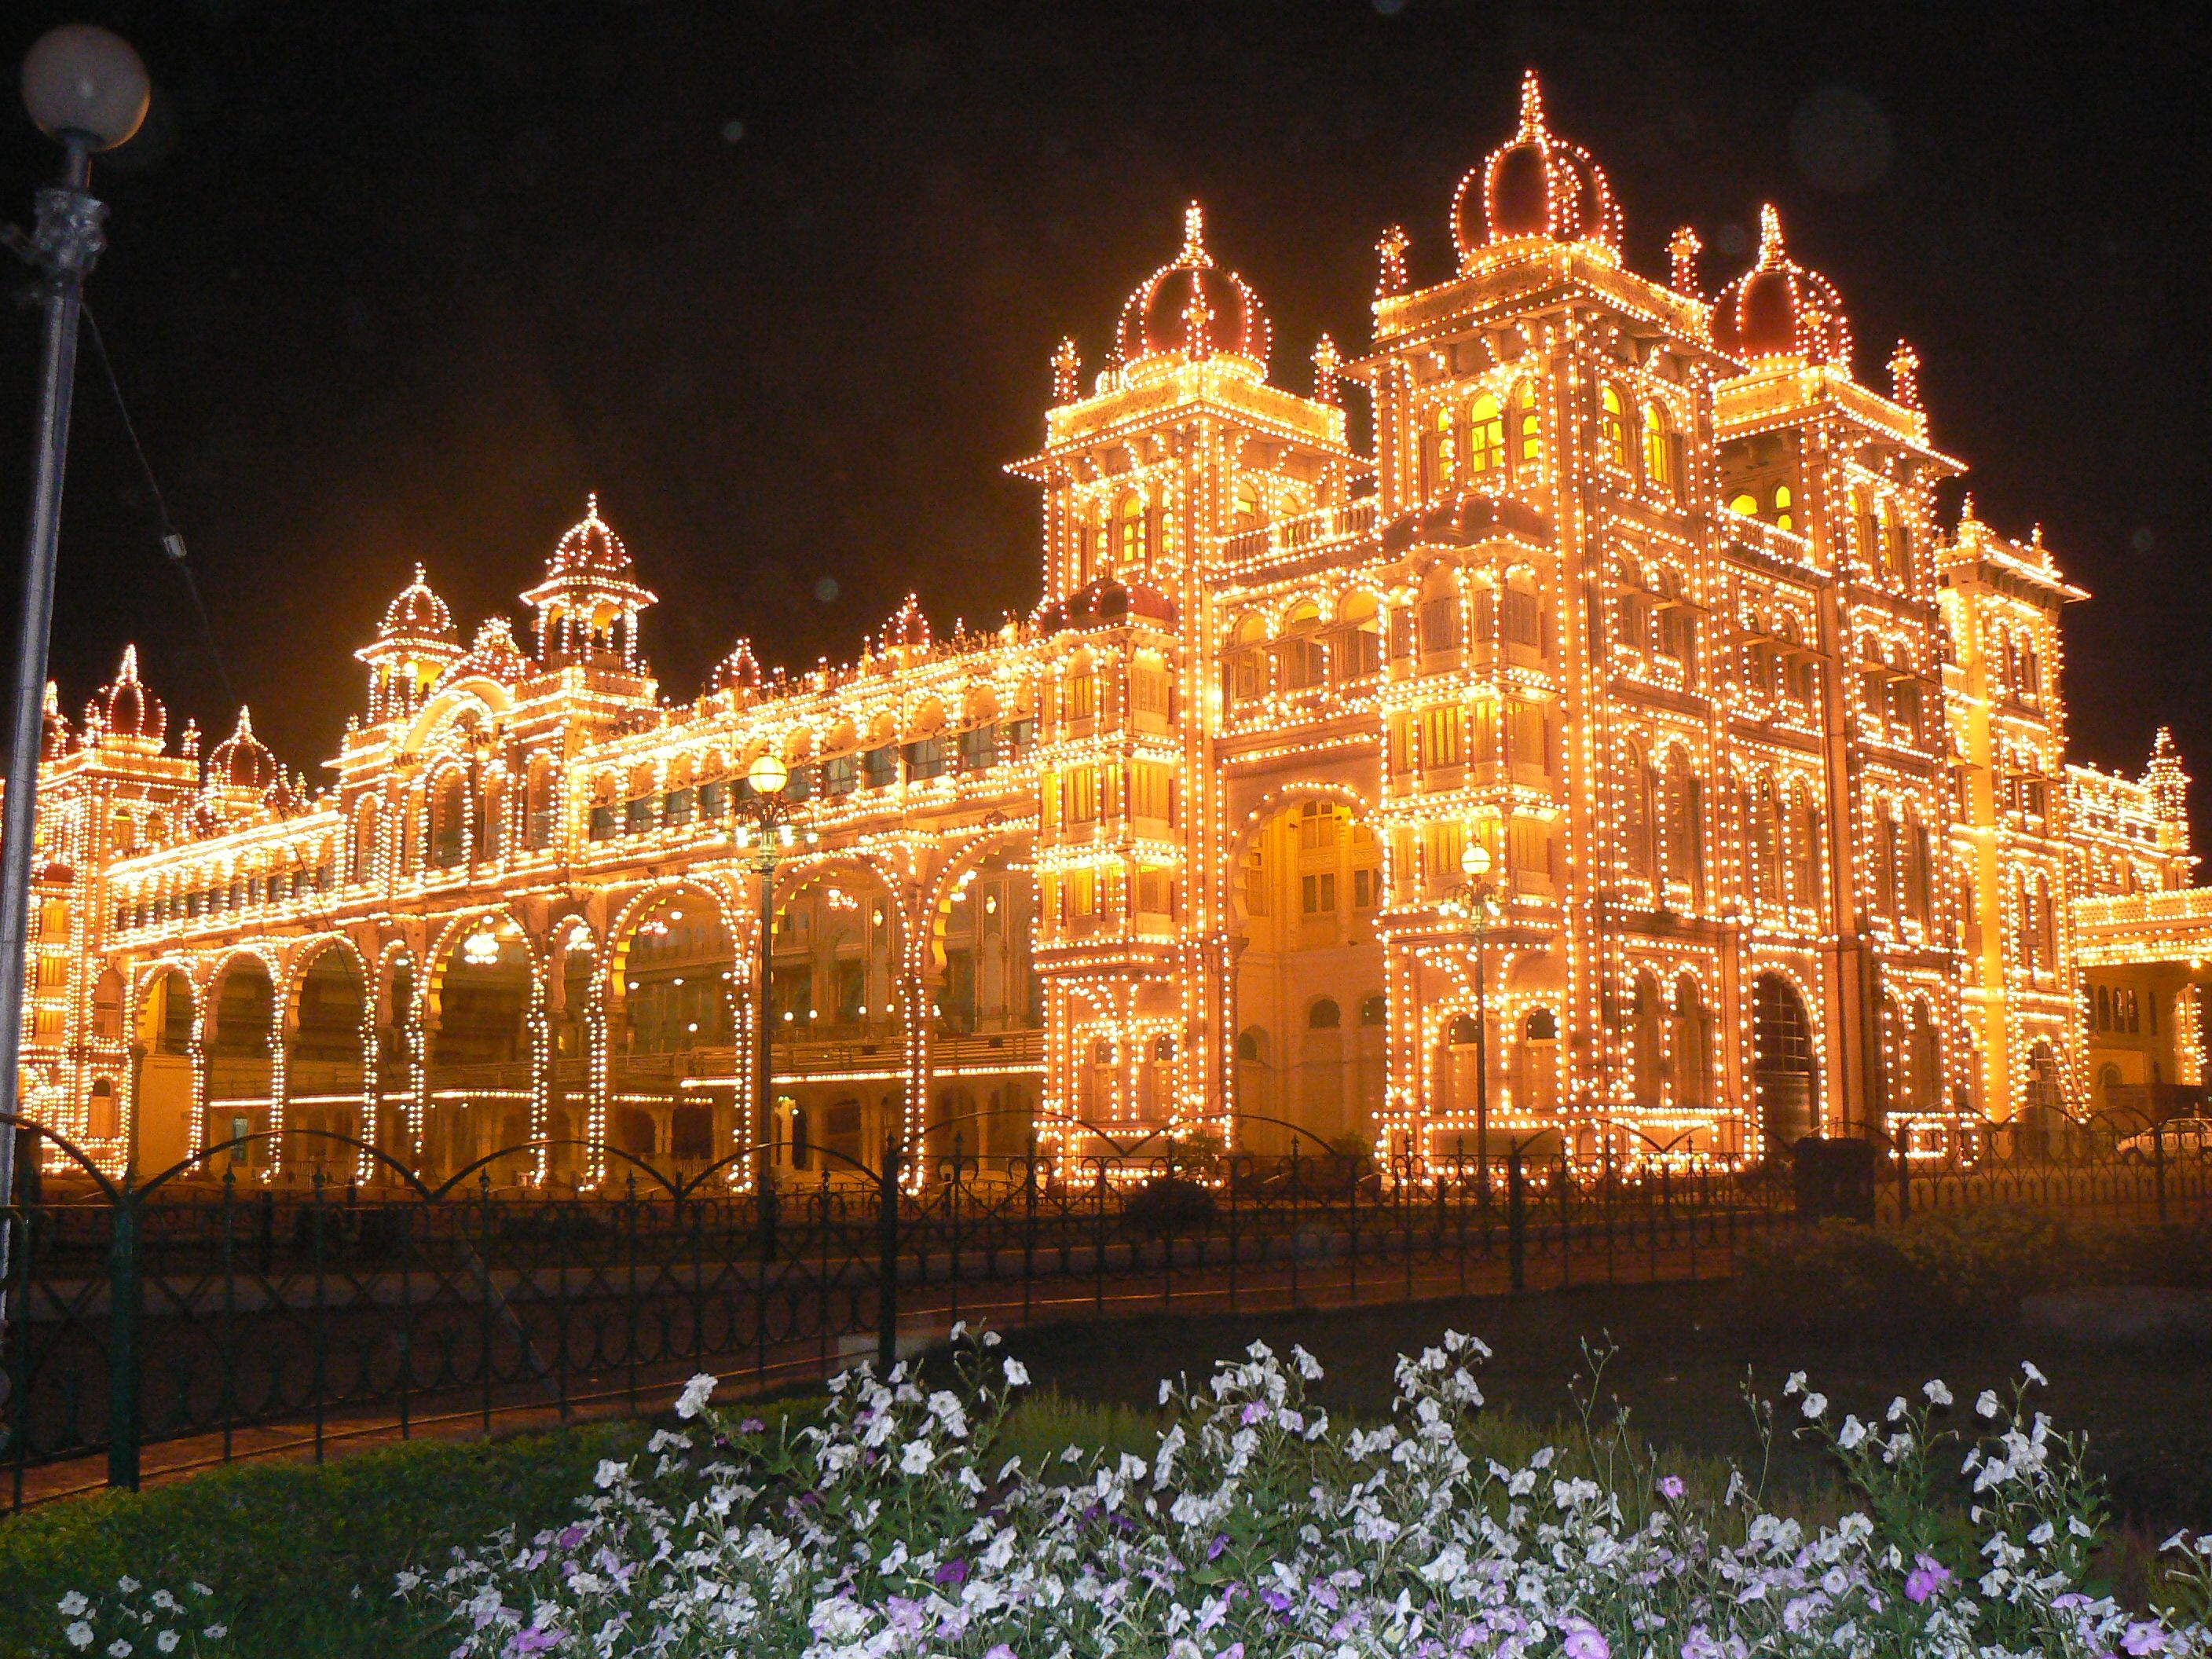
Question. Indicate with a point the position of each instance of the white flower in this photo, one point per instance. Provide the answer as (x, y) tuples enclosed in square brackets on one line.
[(1935, 1391), (74, 1603), (1985, 1402), (79, 1634), (1018, 1375), (118, 1648), (1898, 1408), (127, 1584), (1852, 1435), (1794, 1385), (1815, 1403), (916, 1458), (696, 1392), (2033, 1375), (167, 1641), (608, 1472)]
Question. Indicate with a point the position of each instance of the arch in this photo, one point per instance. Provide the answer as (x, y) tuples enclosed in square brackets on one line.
[(1358, 653), (482, 1016), (1485, 437), (1692, 1069), (366, 839), (1647, 1050), (1529, 430), (1685, 824), (1439, 452), (1613, 428), (1661, 462), (1302, 659), (1244, 660), (328, 1031), (1640, 804), (1536, 1064), (1783, 1080), (1324, 1015)]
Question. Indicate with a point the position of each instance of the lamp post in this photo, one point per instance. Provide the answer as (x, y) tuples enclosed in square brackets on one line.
[(763, 825), (87, 91), (1475, 905)]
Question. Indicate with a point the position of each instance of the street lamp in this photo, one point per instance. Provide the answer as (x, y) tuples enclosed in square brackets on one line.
[(1473, 904), (88, 91), (764, 825)]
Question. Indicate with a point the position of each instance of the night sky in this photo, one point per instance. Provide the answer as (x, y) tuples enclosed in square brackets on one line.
[(391, 282)]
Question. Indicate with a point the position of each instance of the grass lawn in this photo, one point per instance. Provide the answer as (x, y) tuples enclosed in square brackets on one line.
[(287, 1545)]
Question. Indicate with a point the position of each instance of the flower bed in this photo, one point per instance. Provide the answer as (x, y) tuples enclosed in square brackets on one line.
[(1259, 1528)]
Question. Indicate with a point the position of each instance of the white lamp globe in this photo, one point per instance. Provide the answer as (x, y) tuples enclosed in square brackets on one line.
[(1475, 861), (83, 85), (767, 774)]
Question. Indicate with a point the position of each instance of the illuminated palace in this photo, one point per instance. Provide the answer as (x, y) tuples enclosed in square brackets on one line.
[(1641, 589)]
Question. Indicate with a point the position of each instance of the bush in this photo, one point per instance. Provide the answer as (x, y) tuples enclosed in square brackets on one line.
[(1170, 1204), (1257, 1527), (1949, 1272)]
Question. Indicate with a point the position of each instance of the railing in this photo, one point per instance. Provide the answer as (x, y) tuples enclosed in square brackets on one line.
[(216, 1319)]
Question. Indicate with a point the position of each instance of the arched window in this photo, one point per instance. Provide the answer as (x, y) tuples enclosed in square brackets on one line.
[(1245, 667), (1693, 1025), (1613, 429), (1132, 534), (1685, 826), (1745, 503), (1529, 423), (1647, 1056), (1765, 813), (448, 822), (1439, 453), (1896, 544), (1659, 449), (1805, 847), (1486, 436), (1374, 1010), (1252, 1045), (1637, 811), (1324, 1015), (1785, 499), (1304, 662)]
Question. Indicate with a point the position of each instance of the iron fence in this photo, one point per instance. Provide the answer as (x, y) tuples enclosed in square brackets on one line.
[(216, 1321)]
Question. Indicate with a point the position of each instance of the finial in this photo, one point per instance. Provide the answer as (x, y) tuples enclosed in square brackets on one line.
[(129, 671), (1966, 511), (1532, 104), (1905, 376), (190, 741), (53, 700), (245, 721), (591, 505), (1327, 363), (2035, 538), (422, 577), (1067, 369), (1683, 248), (1194, 237), (1197, 325), (1390, 256), (1770, 234)]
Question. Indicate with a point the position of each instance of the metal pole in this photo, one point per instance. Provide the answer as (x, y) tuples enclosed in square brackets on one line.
[(68, 240), (764, 1070), (1482, 1060)]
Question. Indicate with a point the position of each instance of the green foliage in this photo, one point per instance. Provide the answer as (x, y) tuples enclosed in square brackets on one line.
[(1951, 1272)]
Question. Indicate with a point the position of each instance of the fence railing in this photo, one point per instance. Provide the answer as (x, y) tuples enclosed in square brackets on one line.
[(220, 1320)]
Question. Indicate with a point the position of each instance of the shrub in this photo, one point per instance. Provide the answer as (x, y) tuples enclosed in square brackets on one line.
[(1258, 1528)]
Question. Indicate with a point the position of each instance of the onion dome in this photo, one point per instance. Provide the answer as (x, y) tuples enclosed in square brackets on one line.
[(1536, 184), (590, 548), (1192, 308), (1779, 309), (126, 708), (417, 613), (738, 671), (241, 761), (1105, 603), (908, 627)]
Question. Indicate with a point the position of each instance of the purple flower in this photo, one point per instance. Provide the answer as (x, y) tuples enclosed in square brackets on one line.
[(751, 1425), (1002, 1651), (1583, 1642), (1670, 1487), (1255, 1412), (1928, 1576), (569, 1536), (1276, 1600), (1220, 1543), (953, 1573), (1234, 1650), (2144, 1638), (535, 1640)]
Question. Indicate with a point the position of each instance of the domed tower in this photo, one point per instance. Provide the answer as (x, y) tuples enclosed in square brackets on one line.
[(1779, 310), (239, 773), (124, 714), (588, 605), (415, 644), (1192, 310), (1535, 186)]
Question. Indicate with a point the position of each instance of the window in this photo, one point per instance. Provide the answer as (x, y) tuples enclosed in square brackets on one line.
[(1613, 429), (1485, 437), (879, 766), (1255, 883), (1658, 448), (1366, 889), (1531, 424), (1149, 790), (637, 816), (1318, 822), (841, 774), (1443, 735), (1374, 1010), (1148, 690), (924, 757), (1152, 892), (1523, 622), (1440, 623), (1078, 697), (1082, 795), (1304, 662), (1745, 504), (1438, 458), (1132, 538), (1783, 500), (979, 748), (1317, 894), (1324, 1015)]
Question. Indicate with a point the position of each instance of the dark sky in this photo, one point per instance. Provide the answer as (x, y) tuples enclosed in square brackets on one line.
[(391, 282)]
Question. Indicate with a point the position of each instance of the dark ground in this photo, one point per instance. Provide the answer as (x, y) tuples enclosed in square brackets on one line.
[(1682, 1360)]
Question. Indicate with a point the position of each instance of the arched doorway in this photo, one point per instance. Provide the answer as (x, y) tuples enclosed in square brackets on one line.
[(239, 1072), (480, 1074), (987, 1003), (1308, 887), (671, 1028), (833, 1009), (1781, 1067), (323, 1073), (163, 1106)]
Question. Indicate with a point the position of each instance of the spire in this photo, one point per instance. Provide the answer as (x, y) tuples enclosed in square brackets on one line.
[(2167, 783), (1683, 248), (1328, 364), (1067, 372), (1532, 105), (1770, 234), (128, 674), (1194, 238), (1390, 262), (1905, 376)]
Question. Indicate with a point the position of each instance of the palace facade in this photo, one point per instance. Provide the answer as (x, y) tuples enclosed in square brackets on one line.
[(1640, 589)]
